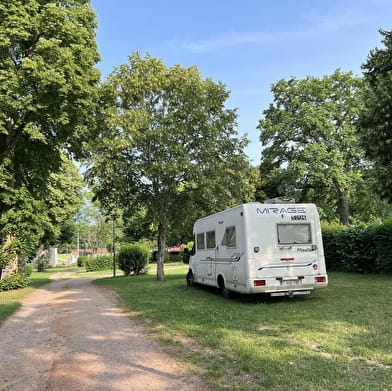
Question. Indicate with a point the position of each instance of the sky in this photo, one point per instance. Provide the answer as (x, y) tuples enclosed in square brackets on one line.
[(246, 44)]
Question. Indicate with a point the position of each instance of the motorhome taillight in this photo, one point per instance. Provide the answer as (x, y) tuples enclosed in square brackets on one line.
[(320, 279), (259, 283)]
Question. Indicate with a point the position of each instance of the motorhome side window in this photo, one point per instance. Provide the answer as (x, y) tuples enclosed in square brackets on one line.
[(229, 237), (200, 241), (294, 234), (211, 239)]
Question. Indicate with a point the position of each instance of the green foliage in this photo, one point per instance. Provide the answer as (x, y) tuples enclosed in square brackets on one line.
[(94, 226), (14, 281), (48, 80), (376, 125), (382, 237), (48, 85), (363, 249), (168, 145), (333, 242), (310, 143), (28, 269), (94, 264), (82, 260), (133, 258), (154, 257), (7, 254)]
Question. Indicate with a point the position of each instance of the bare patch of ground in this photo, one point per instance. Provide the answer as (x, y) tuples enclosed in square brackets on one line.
[(72, 335)]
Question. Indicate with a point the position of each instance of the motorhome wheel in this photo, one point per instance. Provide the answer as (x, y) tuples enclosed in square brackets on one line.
[(190, 279)]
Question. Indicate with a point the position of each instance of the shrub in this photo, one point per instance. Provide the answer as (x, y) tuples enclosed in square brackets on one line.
[(332, 241), (359, 249), (383, 244), (133, 258), (81, 260), (14, 281), (94, 264), (28, 269)]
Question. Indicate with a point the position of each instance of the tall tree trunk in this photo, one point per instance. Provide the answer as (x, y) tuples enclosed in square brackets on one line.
[(161, 251), (344, 211)]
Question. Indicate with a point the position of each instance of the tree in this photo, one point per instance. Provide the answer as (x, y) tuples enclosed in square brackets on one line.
[(63, 200), (169, 145), (94, 225), (32, 221), (376, 120), (47, 86), (310, 144)]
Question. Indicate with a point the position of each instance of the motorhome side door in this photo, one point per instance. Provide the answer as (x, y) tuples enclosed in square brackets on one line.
[(212, 253)]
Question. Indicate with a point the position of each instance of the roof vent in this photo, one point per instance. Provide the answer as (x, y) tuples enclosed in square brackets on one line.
[(281, 200)]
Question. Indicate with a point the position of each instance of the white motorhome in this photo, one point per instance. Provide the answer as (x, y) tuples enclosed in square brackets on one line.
[(273, 248)]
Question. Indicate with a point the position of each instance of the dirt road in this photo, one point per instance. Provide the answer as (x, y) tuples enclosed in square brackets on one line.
[(71, 335)]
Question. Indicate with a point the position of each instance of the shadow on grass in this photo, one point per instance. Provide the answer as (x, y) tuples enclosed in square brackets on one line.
[(334, 338)]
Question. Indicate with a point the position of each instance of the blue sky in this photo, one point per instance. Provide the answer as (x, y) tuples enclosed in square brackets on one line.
[(246, 44)]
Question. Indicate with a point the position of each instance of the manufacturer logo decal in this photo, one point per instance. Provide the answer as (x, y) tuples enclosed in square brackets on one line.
[(274, 210)]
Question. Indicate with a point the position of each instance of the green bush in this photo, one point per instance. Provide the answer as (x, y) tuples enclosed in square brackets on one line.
[(133, 258), (383, 245), (94, 264), (363, 249), (81, 260), (14, 281), (28, 269)]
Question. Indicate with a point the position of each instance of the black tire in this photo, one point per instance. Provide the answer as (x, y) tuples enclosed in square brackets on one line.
[(225, 292), (190, 279)]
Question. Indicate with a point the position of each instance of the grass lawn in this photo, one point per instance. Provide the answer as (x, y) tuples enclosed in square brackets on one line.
[(335, 339)]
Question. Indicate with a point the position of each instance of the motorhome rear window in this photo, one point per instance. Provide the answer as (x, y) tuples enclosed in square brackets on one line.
[(294, 234), (211, 239), (200, 241), (229, 237)]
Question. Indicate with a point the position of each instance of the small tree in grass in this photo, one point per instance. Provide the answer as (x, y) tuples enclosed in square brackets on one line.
[(133, 258)]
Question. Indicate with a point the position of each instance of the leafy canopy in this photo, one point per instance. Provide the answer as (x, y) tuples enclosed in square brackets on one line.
[(309, 140), (47, 57), (47, 85), (376, 121), (168, 144)]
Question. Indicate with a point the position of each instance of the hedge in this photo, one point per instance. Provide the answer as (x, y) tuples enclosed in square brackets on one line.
[(94, 264), (363, 249)]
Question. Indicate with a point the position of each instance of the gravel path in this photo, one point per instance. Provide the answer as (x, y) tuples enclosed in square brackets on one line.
[(71, 335)]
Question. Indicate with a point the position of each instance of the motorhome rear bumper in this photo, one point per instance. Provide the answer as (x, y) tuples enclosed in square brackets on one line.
[(290, 293), (286, 286)]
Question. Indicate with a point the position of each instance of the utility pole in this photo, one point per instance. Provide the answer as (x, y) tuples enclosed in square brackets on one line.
[(114, 245)]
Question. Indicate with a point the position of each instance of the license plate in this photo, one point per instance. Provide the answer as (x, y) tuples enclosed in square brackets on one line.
[(290, 282)]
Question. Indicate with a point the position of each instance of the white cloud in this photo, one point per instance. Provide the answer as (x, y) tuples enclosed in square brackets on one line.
[(227, 41), (313, 25)]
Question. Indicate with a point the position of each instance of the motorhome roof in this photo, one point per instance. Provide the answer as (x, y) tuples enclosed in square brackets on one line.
[(255, 204)]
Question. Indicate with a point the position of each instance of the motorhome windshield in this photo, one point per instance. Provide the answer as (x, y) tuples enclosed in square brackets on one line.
[(294, 234)]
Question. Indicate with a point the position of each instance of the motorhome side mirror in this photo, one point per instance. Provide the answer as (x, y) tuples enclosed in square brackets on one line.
[(186, 256)]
